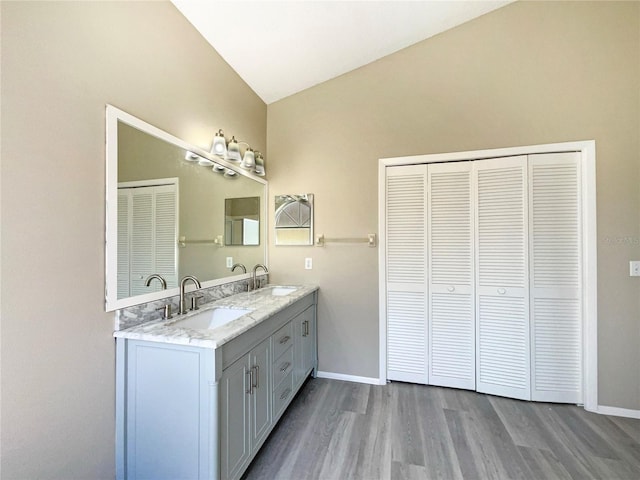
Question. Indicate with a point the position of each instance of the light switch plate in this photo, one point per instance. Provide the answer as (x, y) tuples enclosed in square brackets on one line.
[(229, 262), (308, 263), (634, 268)]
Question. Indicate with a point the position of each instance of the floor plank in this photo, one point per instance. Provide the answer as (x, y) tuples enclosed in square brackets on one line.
[(341, 430)]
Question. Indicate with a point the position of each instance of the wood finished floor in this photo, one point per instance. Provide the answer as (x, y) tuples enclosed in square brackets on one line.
[(342, 430)]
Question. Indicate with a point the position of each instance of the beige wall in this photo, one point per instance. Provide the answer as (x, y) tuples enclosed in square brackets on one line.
[(529, 73), (61, 63)]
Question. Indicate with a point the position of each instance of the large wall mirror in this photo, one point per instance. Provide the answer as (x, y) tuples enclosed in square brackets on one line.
[(168, 210)]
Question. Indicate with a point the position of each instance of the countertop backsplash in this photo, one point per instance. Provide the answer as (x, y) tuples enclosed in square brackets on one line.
[(147, 312)]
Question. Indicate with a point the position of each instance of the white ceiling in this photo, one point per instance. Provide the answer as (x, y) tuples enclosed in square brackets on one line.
[(282, 47)]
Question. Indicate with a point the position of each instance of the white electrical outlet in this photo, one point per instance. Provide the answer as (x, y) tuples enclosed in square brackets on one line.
[(634, 268), (308, 263), (229, 262)]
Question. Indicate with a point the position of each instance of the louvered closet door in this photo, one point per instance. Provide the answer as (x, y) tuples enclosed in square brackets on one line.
[(555, 277), (451, 281), (502, 340), (406, 300)]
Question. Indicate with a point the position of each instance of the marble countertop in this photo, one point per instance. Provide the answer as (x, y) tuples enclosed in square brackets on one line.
[(261, 303)]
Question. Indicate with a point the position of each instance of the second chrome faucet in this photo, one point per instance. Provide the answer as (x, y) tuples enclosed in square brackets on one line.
[(183, 301), (255, 269)]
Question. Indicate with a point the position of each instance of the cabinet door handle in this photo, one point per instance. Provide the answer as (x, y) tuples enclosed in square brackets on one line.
[(502, 291), (256, 384), (285, 339), (285, 394), (305, 332), (250, 373), (284, 366)]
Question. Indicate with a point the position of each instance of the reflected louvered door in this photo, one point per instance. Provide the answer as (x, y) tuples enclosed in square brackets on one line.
[(451, 324), (555, 277), (166, 234), (502, 299), (142, 235), (151, 235), (406, 301), (124, 218)]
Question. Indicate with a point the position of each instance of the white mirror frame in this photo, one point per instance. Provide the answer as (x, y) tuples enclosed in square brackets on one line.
[(113, 117)]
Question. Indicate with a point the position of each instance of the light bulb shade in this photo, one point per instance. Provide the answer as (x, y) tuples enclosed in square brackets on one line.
[(228, 173), (233, 150), (205, 162), (259, 170), (248, 161), (219, 146), (191, 157)]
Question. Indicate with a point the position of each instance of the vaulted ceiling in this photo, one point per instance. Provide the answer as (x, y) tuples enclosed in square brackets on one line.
[(282, 47)]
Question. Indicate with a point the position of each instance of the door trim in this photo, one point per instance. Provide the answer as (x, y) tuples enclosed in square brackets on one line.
[(587, 149)]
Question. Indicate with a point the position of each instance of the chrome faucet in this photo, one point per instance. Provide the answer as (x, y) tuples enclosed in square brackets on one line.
[(244, 269), (163, 282), (255, 269), (183, 282)]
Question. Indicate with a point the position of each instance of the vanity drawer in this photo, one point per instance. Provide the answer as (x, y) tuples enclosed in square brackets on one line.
[(282, 395), (282, 367), (282, 340)]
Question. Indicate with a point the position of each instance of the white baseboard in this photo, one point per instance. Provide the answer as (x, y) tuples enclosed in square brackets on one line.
[(350, 378), (618, 412)]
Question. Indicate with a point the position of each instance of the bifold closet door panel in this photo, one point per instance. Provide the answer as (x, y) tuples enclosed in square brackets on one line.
[(502, 292), (406, 269), (555, 277), (451, 319)]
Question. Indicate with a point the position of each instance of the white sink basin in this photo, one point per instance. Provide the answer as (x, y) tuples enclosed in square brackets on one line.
[(210, 319), (276, 290)]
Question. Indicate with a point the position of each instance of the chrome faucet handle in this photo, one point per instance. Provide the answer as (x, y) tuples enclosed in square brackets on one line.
[(194, 302), (166, 311)]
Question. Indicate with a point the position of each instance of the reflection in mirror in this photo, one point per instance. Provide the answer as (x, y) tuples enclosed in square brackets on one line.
[(294, 219), (169, 216), (242, 221)]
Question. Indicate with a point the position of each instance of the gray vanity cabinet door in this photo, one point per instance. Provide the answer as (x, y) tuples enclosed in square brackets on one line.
[(245, 409), (261, 392), (235, 400), (304, 345)]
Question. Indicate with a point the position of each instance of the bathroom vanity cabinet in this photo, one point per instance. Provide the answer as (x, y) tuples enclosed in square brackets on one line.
[(196, 412)]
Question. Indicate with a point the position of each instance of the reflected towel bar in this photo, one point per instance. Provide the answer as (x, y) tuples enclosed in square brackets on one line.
[(183, 242)]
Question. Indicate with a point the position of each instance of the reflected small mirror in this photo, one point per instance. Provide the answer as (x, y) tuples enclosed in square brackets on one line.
[(294, 219), (242, 221)]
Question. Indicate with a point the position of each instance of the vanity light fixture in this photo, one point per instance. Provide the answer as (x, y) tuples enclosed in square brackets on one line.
[(250, 160), (259, 170), (228, 173), (218, 168), (219, 146), (194, 157), (233, 150)]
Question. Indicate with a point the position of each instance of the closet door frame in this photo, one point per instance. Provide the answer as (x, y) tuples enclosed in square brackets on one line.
[(587, 150)]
